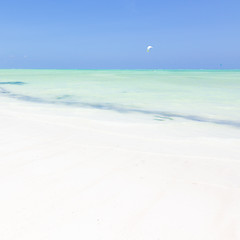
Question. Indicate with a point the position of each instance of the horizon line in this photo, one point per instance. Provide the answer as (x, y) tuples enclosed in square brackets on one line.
[(180, 69)]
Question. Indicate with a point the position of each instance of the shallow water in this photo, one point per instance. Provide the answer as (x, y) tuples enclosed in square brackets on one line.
[(197, 95)]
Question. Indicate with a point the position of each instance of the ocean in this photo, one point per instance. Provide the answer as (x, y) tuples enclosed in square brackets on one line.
[(206, 96)]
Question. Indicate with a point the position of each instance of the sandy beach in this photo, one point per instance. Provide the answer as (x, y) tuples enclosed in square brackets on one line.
[(70, 173)]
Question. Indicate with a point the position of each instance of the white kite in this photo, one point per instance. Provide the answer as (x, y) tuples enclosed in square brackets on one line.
[(148, 48)]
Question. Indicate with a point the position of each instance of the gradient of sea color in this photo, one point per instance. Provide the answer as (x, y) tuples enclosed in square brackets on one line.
[(196, 95)]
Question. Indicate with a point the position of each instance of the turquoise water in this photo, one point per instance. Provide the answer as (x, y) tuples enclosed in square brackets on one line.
[(195, 95)]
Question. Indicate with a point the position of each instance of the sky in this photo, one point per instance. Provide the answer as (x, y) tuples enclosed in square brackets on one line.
[(107, 34)]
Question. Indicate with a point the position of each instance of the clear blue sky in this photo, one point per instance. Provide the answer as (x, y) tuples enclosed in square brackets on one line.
[(114, 34)]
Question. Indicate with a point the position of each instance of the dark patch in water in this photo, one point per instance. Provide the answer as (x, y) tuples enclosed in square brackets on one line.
[(158, 119), (63, 97), (12, 83), (160, 116), (21, 97)]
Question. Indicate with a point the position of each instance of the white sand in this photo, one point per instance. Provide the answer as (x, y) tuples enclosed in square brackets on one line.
[(81, 174)]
